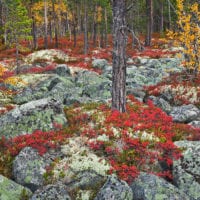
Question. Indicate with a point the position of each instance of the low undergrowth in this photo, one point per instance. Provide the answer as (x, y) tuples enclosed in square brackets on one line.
[(184, 87), (135, 141)]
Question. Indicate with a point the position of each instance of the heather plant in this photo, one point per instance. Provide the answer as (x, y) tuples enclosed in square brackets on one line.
[(130, 142), (133, 141)]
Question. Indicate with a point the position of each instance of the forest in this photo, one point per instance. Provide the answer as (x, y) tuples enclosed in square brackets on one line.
[(99, 99)]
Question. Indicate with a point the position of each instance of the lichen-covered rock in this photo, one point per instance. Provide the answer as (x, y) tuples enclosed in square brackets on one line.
[(28, 168), (85, 185), (137, 92), (39, 114), (115, 189), (186, 171), (54, 87), (185, 113), (99, 63), (94, 86), (195, 123), (49, 55), (52, 192), (10, 190), (62, 70), (88, 179), (161, 103), (151, 187)]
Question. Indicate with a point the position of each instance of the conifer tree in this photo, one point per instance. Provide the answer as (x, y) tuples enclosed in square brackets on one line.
[(17, 26)]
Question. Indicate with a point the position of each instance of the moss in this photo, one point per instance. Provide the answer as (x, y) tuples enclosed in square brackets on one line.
[(10, 189)]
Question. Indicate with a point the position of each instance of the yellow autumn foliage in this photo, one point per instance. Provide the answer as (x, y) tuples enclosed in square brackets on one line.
[(38, 10), (188, 34), (13, 80)]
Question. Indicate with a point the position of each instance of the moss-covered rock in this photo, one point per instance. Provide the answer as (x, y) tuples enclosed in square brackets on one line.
[(151, 187), (28, 168), (115, 189), (52, 192), (186, 171), (34, 115), (10, 190)]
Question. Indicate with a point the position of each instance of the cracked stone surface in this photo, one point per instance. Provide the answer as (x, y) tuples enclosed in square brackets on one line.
[(186, 171)]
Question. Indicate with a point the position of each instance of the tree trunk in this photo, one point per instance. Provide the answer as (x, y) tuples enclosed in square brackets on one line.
[(17, 57), (169, 15), (161, 16), (149, 13), (85, 29), (55, 21), (45, 25), (1, 23), (106, 27), (119, 56)]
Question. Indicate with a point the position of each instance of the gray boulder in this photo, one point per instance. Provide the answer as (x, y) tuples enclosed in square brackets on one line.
[(137, 92), (161, 103), (99, 63), (10, 190), (195, 123), (54, 87), (185, 113), (28, 168), (186, 171), (84, 180), (52, 55), (85, 184), (114, 189), (52, 192), (151, 187), (39, 114), (61, 70), (93, 85)]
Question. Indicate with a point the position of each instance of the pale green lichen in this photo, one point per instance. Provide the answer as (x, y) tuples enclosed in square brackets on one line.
[(10, 189), (79, 158)]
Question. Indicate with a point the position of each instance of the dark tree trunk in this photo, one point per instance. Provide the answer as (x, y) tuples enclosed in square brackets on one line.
[(149, 13), (119, 56)]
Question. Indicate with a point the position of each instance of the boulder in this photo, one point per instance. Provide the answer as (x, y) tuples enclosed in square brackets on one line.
[(62, 70), (51, 192), (28, 168), (54, 87), (161, 103), (94, 86), (186, 171), (10, 190), (137, 92), (99, 63), (85, 180), (185, 113), (195, 123), (52, 55), (114, 189), (39, 114), (85, 184), (151, 187)]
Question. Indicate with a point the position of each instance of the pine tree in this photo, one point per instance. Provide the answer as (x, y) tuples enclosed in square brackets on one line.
[(17, 26)]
